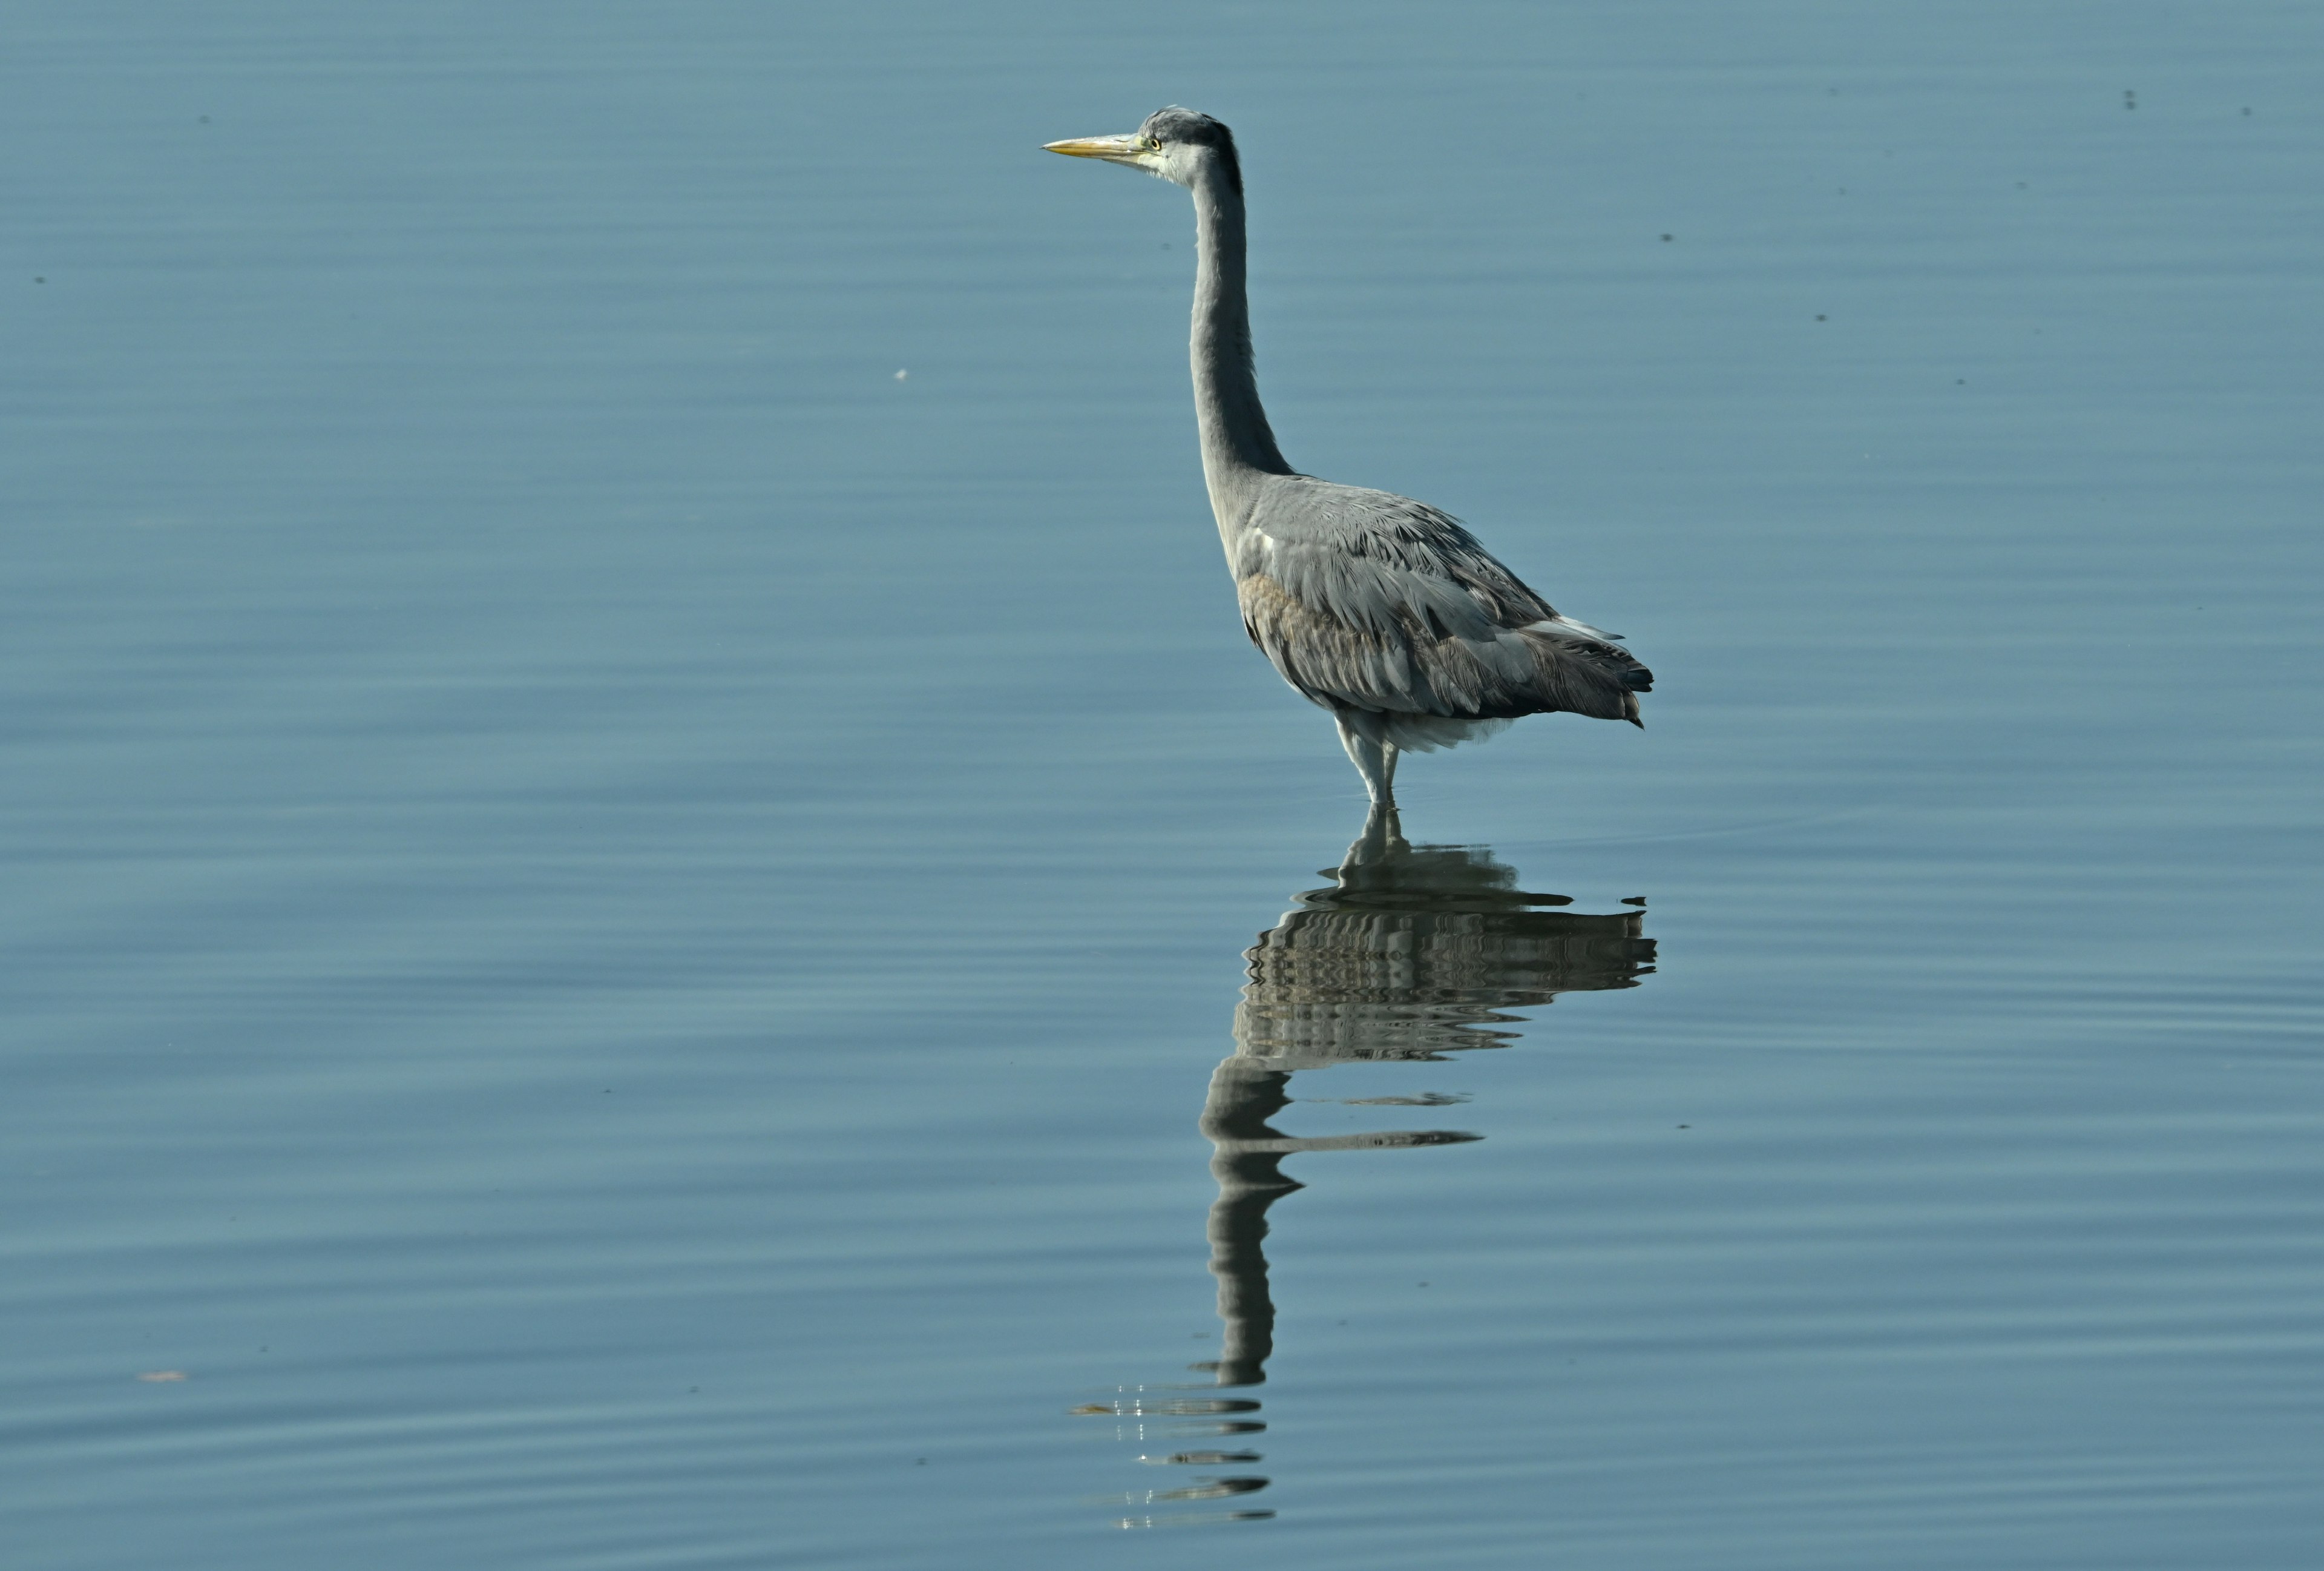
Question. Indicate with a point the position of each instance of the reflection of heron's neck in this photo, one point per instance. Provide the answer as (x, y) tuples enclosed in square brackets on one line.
[(1237, 445), (1247, 1160)]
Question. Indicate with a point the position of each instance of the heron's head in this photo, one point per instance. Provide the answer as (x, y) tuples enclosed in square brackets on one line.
[(1177, 144)]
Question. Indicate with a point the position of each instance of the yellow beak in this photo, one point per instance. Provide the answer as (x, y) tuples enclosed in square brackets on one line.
[(1113, 147)]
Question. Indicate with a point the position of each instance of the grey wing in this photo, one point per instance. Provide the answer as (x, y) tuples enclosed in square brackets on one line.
[(1372, 602)]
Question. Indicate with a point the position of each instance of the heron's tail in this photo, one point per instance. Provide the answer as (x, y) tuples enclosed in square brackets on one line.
[(1585, 676), (1638, 680)]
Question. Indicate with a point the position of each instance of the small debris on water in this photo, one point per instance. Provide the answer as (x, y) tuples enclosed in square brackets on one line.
[(903, 376), (164, 1376)]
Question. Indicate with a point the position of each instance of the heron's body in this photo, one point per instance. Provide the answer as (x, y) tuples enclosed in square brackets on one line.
[(1381, 609)]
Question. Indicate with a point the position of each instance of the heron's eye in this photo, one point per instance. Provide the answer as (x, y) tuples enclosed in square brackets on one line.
[(1153, 144)]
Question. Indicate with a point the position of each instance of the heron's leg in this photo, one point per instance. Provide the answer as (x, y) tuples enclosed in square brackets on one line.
[(1389, 753), (1367, 756)]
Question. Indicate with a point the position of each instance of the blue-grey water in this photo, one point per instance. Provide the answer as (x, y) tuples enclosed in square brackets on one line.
[(657, 918)]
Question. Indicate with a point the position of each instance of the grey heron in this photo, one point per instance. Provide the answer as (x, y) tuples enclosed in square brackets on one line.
[(1383, 610)]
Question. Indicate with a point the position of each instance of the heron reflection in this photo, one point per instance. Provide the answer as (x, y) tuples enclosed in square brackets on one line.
[(1414, 954)]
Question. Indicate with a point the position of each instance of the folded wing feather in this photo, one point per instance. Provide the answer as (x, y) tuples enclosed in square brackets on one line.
[(1373, 605)]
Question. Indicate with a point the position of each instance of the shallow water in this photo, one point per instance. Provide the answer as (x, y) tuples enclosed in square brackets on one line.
[(640, 943)]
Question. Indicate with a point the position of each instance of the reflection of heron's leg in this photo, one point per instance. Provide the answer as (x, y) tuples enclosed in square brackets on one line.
[(1367, 756), (1382, 838)]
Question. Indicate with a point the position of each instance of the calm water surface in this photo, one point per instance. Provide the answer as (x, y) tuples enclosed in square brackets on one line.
[(658, 919)]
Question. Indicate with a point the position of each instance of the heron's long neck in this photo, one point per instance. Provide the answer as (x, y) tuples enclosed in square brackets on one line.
[(1237, 446)]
